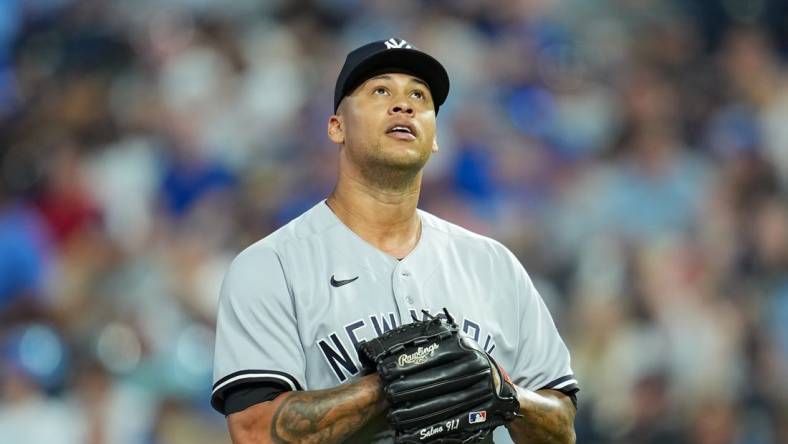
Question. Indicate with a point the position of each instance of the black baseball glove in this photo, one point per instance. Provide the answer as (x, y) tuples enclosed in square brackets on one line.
[(441, 386)]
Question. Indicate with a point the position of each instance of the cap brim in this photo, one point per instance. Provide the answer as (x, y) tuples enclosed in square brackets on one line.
[(410, 61)]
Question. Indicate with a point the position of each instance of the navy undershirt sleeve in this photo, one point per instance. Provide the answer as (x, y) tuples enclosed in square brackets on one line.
[(247, 395)]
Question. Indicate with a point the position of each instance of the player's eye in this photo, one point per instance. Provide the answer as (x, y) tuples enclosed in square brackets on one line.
[(418, 94), (379, 91)]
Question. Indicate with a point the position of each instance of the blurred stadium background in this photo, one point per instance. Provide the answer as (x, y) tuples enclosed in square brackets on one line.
[(632, 153)]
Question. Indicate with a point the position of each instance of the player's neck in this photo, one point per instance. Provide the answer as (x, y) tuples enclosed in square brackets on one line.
[(386, 219)]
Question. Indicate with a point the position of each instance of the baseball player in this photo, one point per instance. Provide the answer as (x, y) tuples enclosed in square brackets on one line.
[(295, 305)]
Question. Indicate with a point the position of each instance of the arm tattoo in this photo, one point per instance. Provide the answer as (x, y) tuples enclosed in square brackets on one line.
[(548, 422), (324, 416)]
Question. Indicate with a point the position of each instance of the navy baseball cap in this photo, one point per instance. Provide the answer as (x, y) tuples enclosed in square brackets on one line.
[(392, 55)]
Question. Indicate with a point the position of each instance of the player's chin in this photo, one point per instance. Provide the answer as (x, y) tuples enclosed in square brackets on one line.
[(404, 161), (412, 155), (407, 148)]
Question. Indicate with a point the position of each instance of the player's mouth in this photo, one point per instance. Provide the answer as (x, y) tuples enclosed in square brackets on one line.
[(402, 131)]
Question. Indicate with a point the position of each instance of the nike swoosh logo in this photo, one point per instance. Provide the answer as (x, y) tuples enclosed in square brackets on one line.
[(336, 283)]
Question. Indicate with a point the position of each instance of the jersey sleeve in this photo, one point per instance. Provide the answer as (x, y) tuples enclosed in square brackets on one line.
[(257, 338), (542, 360)]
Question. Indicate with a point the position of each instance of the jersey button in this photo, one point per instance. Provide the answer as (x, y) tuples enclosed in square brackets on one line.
[(409, 299), (406, 273)]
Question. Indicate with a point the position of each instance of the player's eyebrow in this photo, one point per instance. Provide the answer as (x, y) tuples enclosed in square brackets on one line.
[(412, 79), (421, 82)]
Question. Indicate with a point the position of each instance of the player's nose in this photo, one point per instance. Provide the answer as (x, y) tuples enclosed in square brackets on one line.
[(401, 106)]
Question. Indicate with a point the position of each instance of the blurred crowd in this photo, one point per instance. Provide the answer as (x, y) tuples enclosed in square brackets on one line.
[(632, 153)]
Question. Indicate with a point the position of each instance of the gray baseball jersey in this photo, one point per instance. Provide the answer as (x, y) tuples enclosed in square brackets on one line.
[(295, 305)]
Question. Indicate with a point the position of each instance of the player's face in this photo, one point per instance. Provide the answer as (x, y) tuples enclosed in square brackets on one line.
[(388, 121)]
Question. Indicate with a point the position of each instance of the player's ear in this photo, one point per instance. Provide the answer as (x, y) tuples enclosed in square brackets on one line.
[(435, 147), (336, 129)]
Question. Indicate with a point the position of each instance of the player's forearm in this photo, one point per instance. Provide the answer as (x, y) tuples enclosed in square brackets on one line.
[(548, 418), (326, 416)]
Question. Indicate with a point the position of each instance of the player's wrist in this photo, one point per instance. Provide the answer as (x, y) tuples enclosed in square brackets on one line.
[(373, 386), (519, 393)]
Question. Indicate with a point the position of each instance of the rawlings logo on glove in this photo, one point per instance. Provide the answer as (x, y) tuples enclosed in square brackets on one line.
[(420, 356)]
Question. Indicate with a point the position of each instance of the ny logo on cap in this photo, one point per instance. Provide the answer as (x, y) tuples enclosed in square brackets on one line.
[(393, 43)]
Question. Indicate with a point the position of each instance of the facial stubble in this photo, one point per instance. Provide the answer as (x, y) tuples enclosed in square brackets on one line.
[(390, 172)]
